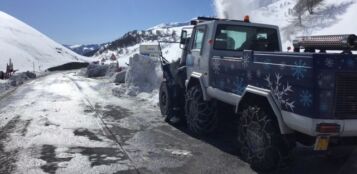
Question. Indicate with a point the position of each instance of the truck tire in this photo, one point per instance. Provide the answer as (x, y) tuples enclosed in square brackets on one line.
[(200, 115), (165, 101), (260, 141)]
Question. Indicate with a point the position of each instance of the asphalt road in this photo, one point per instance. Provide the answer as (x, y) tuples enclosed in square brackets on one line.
[(129, 135)]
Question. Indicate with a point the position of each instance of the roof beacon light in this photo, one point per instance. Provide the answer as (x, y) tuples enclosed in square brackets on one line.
[(246, 18)]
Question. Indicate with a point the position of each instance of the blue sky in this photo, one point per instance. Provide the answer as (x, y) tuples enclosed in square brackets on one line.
[(98, 21)]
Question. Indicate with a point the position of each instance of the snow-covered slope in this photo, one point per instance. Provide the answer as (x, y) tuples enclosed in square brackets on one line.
[(127, 46), (85, 50), (329, 17), (28, 48)]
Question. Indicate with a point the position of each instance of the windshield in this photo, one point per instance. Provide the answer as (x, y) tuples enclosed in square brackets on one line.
[(239, 38)]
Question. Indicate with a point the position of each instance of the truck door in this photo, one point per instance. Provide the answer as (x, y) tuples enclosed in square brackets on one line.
[(195, 60)]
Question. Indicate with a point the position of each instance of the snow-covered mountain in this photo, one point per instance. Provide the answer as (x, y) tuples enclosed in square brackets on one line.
[(169, 25), (28, 48), (128, 45), (87, 50), (329, 17)]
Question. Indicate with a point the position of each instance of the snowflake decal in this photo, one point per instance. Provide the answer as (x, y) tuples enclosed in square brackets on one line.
[(246, 60), (216, 66), (281, 92), (306, 98), (329, 62), (239, 86), (299, 69)]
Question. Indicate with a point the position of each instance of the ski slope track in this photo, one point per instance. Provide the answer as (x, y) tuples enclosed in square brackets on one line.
[(29, 49)]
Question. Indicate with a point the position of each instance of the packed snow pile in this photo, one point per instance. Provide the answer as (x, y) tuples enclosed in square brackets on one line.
[(29, 49), (4, 86), (20, 78), (143, 75), (144, 72), (96, 70), (326, 18), (119, 77), (15, 80)]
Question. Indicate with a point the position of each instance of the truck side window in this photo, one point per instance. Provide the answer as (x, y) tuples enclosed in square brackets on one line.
[(239, 38), (199, 36)]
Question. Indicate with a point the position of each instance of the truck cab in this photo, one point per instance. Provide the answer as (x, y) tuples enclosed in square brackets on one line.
[(227, 39), (279, 98)]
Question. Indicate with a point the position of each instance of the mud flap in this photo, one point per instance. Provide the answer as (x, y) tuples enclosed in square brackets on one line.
[(322, 143)]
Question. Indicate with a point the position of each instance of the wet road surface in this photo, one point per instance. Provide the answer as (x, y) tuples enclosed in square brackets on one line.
[(64, 123)]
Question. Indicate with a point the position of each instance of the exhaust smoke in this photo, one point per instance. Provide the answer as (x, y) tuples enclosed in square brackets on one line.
[(235, 9)]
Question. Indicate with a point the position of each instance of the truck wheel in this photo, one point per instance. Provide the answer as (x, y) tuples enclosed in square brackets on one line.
[(165, 101), (200, 115), (260, 141)]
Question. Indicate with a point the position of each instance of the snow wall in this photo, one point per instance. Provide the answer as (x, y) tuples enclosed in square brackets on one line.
[(144, 73)]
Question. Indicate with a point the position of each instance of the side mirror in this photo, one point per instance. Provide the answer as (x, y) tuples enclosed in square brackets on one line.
[(184, 38)]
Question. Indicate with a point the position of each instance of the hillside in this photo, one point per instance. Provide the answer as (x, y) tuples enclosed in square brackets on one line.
[(87, 50), (128, 45), (28, 48)]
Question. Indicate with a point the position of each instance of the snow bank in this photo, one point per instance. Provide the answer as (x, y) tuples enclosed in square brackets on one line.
[(95, 70), (143, 75), (4, 86), (20, 78), (16, 80), (119, 77)]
